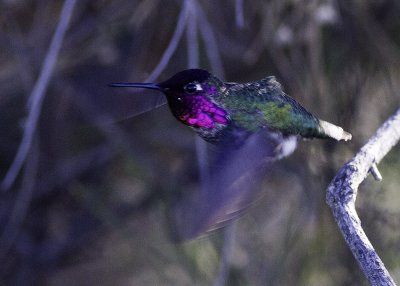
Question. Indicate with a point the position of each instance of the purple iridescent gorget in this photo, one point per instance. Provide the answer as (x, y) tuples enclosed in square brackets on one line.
[(195, 109)]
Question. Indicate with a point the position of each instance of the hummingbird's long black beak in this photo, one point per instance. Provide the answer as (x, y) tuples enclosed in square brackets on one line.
[(137, 85)]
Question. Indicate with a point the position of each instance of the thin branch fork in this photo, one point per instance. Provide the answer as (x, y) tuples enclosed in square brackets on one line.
[(342, 193)]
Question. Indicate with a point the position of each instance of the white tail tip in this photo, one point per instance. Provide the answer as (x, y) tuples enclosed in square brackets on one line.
[(334, 131)]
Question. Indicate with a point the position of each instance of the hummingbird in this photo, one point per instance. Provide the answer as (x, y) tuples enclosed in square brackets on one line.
[(232, 116)]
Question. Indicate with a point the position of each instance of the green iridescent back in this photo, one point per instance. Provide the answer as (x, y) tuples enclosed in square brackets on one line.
[(263, 104)]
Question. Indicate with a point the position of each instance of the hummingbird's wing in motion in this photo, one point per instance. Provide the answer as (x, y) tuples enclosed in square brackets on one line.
[(125, 106), (234, 183)]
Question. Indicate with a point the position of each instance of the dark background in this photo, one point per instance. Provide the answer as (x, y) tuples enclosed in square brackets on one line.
[(88, 206)]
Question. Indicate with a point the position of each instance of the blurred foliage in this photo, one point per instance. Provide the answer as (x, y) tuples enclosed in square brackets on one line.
[(98, 185)]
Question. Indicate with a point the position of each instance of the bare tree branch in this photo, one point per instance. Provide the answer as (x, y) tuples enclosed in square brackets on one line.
[(210, 40), (227, 249), (239, 14), (173, 44), (22, 202), (38, 93), (342, 193), (192, 38)]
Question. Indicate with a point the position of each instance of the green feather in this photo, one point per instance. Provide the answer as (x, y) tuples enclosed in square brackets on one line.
[(263, 104)]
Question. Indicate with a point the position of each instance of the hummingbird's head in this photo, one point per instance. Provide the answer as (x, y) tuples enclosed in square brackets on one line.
[(193, 97)]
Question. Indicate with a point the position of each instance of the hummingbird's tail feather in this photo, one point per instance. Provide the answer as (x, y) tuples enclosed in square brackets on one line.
[(334, 131)]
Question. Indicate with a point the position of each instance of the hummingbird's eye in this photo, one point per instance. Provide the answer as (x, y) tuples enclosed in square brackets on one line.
[(192, 87)]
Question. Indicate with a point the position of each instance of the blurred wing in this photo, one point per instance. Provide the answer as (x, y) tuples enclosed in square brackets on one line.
[(130, 104), (234, 183), (123, 103)]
